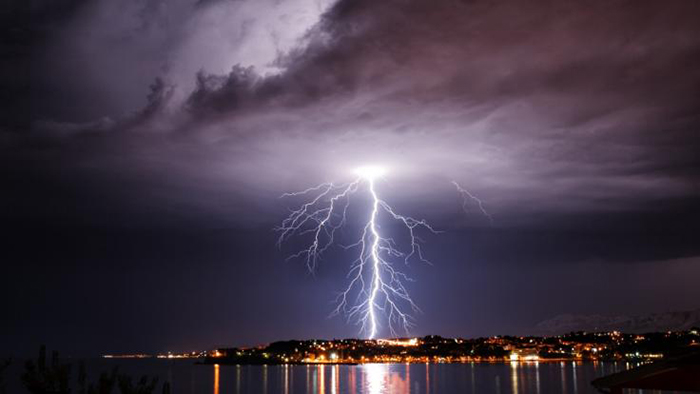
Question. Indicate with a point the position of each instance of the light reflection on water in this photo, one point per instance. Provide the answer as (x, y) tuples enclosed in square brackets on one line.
[(510, 378), (504, 378), (216, 378), (376, 373)]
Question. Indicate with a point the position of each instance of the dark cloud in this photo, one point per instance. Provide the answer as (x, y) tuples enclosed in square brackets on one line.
[(576, 123), (596, 93), (553, 108)]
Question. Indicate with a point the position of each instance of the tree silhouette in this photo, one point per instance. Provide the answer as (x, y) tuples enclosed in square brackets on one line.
[(3, 366), (143, 386), (105, 384), (40, 378)]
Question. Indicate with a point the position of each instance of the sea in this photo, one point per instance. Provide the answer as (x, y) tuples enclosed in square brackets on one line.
[(186, 377)]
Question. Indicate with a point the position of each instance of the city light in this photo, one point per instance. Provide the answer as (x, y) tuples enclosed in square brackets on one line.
[(435, 349), (399, 342)]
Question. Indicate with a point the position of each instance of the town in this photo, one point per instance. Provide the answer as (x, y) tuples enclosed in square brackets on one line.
[(578, 346)]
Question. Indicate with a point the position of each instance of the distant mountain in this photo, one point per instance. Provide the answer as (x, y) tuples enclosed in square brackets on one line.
[(668, 321)]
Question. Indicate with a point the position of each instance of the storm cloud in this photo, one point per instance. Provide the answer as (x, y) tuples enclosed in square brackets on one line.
[(575, 122)]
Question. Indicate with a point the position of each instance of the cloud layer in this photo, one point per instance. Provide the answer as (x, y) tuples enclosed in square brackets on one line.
[(576, 123), (555, 107)]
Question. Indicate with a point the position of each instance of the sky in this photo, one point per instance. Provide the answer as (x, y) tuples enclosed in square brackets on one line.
[(144, 147)]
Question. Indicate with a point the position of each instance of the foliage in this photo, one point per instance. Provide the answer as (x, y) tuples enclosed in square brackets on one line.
[(40, 378), (3, 366), (143, 386)]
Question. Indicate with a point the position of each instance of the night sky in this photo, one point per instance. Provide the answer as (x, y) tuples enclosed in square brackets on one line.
[(144, 147)]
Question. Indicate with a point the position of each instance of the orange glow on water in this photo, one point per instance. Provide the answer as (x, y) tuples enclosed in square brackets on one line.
[(216, 378)]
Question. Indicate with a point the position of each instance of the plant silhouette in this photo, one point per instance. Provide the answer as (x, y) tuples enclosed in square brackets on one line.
[(55, 378)]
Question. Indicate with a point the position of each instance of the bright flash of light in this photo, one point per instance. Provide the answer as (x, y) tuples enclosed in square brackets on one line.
[(370, 172), (467, 196), (376, 292)]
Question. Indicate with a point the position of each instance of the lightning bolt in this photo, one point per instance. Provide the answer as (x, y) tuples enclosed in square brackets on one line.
[(467, 196), (376, 289)]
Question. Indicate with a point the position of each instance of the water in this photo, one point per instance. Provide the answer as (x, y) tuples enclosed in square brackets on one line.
[(504, 378)]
